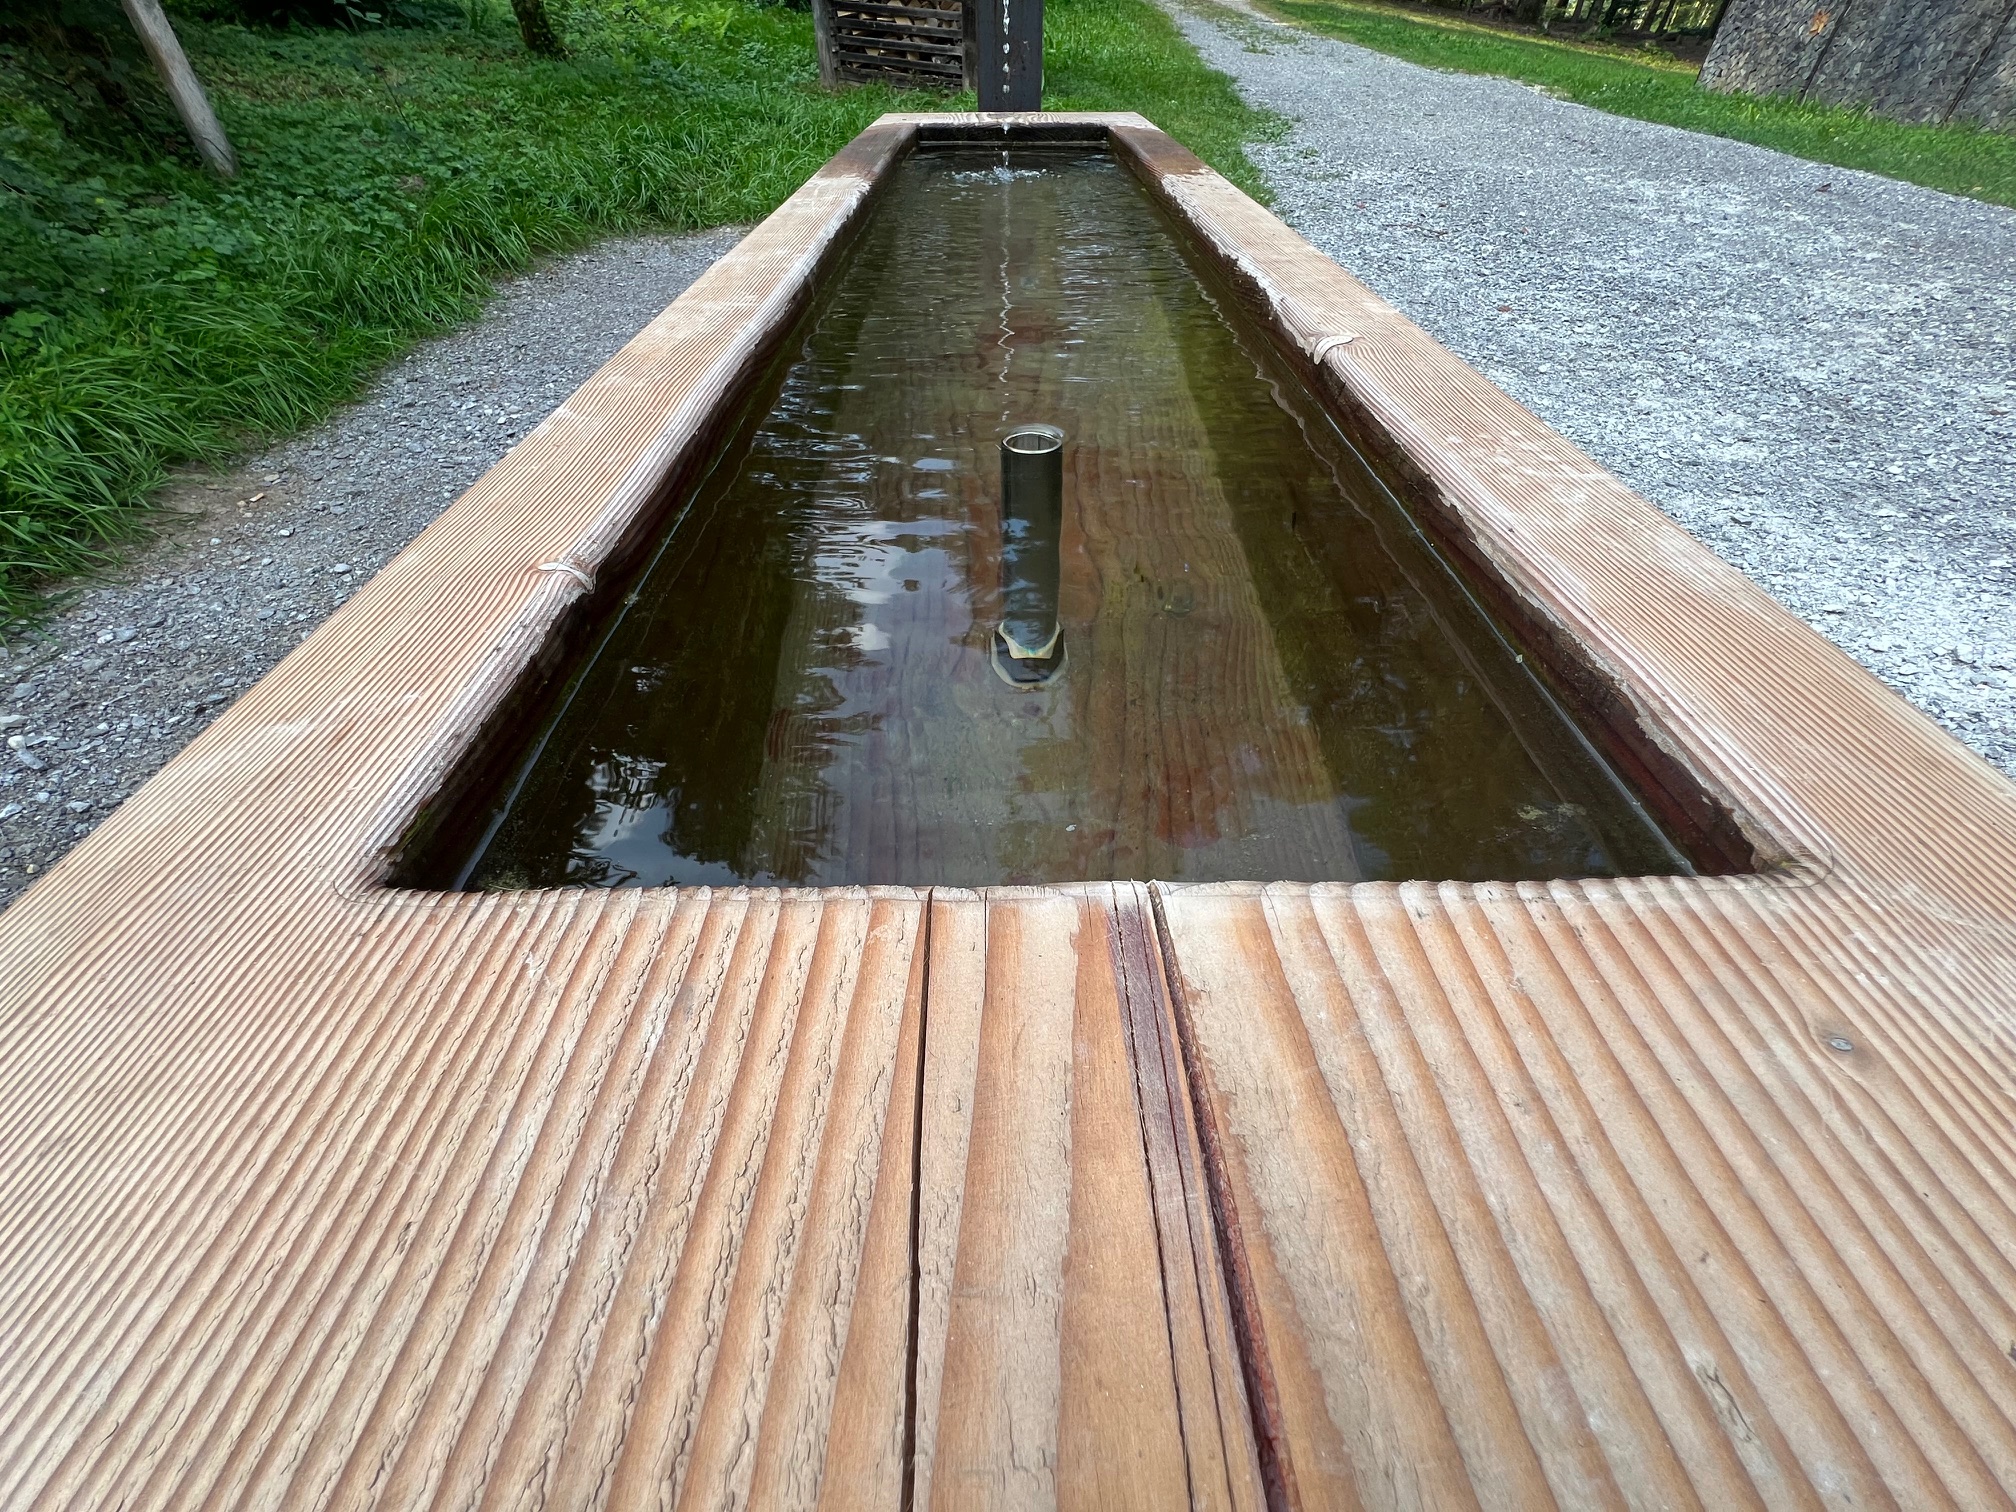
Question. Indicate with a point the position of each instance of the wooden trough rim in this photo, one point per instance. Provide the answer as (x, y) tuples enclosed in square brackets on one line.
[(216, 1020), (1676, 653)]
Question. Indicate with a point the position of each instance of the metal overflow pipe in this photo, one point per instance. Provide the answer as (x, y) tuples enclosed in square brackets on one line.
[(1029, 642)]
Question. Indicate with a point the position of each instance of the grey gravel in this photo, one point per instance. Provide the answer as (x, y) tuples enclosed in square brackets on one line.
[(249, 561), (1811, 369)]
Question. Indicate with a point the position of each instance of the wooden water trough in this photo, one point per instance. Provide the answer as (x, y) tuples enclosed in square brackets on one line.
[(1665, 1191)]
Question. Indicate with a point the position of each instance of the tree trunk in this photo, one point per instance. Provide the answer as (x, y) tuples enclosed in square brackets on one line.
[(183, 87), (536, 27)]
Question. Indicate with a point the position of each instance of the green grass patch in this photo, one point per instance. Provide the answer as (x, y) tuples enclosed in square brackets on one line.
[(1652, 87), (152, 315), (1128, 55)]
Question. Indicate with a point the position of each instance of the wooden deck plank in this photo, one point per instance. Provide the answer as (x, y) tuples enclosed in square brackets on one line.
[(1214, 1412), (1587, 1205), (693, 1155), (1048, 1371)]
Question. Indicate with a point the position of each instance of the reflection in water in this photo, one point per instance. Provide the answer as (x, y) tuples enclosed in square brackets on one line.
[(1269, 673)]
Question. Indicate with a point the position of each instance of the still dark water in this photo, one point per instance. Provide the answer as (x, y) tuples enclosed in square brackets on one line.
[(1262, 671)]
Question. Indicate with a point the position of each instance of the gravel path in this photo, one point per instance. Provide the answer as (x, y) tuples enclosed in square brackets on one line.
[(249, 561), (1812, 369)]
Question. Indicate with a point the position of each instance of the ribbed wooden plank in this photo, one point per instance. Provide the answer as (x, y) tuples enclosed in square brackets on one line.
[(1660, 1191), (1215, 1414), (1502, 1172), (628, 1264), (1072, 1331)]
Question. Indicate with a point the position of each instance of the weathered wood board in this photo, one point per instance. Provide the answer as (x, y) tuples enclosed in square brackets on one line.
[(316, 1192), (582, 1197), (1074, 1344), (1557, 1194)]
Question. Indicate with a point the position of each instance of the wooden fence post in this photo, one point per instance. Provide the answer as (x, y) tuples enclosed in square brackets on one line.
[(183, 87), (822, 33), (1010, 36)]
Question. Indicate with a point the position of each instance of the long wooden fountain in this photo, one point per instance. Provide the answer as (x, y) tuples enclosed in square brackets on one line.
[(1687, 1190)]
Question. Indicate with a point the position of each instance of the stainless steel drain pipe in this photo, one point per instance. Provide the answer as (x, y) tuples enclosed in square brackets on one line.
[(1029, 643)]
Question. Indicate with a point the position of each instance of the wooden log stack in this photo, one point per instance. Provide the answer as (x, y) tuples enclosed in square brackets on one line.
[(917, 44)]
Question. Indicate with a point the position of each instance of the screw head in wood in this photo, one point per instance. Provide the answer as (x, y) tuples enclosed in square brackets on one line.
[(1840, 1042)]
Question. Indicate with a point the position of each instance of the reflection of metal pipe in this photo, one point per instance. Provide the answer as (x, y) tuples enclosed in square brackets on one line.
[(1029, 645)]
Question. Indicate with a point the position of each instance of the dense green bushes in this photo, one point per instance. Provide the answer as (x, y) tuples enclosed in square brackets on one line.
[(150, 313)]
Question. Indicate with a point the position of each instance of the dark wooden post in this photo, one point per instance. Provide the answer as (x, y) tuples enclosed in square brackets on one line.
[(822, 34), (1010, 36)]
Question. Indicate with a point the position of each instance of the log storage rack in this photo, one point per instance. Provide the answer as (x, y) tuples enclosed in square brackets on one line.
[(1694, 1191), (908, 44)]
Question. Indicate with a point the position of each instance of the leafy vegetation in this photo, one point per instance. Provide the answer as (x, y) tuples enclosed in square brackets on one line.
[(151, 313), (83, 65), (1650, 86)]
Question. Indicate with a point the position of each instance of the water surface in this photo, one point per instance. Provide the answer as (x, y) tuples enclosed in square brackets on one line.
[(1267, 673)]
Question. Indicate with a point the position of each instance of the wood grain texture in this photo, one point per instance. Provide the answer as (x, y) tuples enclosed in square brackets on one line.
[(1670, 1191), (599, 1234), (1074, 1344), (1604, 1217), (1663, 1192)]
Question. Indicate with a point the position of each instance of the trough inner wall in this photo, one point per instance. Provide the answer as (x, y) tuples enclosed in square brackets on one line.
[(1269, 671)]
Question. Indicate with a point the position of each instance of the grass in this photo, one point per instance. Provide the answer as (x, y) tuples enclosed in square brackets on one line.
[(151, 315), (1652, 87), (1128, 55)]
